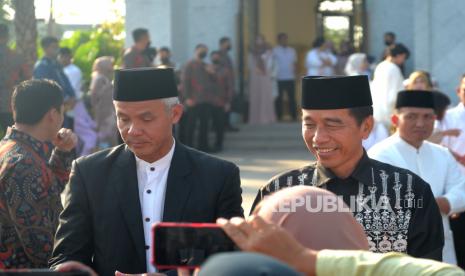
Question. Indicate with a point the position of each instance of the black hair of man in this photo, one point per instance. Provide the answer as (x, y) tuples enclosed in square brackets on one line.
[(281, 36), (391, 34), (361, 113), (164, 49), (32, 99), (139, 33), (47, 41), (398, 49), (198, 46), (3, 31), (224, 39), (318, 42), (215, 53), (65, 51)]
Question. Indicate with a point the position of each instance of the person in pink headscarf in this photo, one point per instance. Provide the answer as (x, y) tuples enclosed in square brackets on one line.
[(101, 89), (304, 212)]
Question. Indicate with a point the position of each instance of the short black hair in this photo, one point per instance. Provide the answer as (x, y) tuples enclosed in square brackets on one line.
[(224, 39), (399, 49), (361, 113), (164, 49), (47, 41), (281, 35), (391, 34), (65, 51), (200, 45), (3, 31), (318, 42), (138, 33), (32, 99)]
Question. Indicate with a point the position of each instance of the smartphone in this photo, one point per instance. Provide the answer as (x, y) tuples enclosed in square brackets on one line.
[(187, 245)]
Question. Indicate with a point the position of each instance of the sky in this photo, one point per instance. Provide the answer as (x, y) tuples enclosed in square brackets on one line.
[(88, 12)]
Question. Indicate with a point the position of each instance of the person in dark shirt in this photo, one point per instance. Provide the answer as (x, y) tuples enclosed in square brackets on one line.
[(396, 207), (35, 162), (49, 68)]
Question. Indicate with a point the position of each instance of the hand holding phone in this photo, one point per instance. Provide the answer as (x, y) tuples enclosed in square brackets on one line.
[(187, 245)]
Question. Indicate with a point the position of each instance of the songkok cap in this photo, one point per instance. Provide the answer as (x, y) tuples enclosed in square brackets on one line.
[(415, 98), (142, 84), (339, 92)]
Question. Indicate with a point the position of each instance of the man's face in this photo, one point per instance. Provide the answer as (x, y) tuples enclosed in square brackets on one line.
[(64, 60), (399, 59), (202, 52), (164, 55), (52, 50), (56, 121), (283, 40), (226, 45), (388, 40), (334, 137), (215, 58), (414, 124), (146, 127), (461, 91), (144, 40)]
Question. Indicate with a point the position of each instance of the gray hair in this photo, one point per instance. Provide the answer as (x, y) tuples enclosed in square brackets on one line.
[(170, 103)]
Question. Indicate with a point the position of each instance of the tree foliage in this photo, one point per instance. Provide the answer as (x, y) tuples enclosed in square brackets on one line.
[(88, 45)]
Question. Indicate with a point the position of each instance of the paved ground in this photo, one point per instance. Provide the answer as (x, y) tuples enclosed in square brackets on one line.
[(262, 152)]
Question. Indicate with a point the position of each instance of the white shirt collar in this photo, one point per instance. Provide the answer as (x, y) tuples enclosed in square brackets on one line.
[(407, 146), (160, 164)]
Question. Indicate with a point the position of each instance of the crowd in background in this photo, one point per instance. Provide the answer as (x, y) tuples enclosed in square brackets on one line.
[(207, 87)]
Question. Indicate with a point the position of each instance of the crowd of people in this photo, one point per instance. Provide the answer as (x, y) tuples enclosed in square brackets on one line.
[(402, 194)]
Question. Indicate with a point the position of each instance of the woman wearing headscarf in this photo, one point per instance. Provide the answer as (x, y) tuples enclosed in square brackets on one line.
[(317, 218), (291, 226), (101, 90), (357, 64), (262, 83)]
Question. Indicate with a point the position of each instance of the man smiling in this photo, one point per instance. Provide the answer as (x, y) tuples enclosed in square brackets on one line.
[(402, 215)]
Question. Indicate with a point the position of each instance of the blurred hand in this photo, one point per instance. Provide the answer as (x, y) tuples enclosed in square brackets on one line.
[(256, 235), (455, 132), (443, 204), (458, 157), (210, 69), (455, 216), (73, 266), (65, 140)]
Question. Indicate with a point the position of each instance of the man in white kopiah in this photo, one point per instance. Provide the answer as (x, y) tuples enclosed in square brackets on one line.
[(408, 148)]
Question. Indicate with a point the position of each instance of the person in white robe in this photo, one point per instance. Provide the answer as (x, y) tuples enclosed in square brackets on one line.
[(387, 82), (455, 119), (408, 148), (320, 61)]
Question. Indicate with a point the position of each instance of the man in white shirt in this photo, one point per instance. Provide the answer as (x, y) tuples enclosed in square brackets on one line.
[(387, 82), (73, 72), (286, 60), (320, 61), (408, 148), (455, 119)]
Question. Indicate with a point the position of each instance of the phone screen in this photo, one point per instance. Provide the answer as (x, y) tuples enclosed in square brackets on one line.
[(187, 245)]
